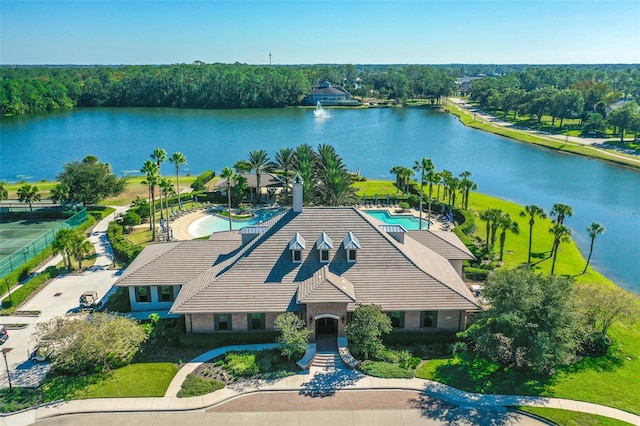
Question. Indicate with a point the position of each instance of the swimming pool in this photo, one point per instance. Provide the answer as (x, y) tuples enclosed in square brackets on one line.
[(210, 224), (410, 222)]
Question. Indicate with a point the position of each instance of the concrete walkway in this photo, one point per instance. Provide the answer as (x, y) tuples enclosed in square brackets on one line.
[(57, 299), (318, 383)]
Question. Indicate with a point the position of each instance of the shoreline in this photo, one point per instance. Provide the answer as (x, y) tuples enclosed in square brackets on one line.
[(488, 123)]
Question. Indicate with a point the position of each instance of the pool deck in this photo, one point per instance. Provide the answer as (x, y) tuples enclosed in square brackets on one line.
[(181, 225)]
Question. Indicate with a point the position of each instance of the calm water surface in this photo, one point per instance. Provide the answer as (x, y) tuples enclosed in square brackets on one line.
[(373, 141)]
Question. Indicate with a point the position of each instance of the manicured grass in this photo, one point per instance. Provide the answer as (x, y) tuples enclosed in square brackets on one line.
[(386, 370), (372, 187), (44, 187), (135, 380), (19, 399), (588, 151), (572, 418), (135, 188), (612, 380), (569, 261), (139, 236)]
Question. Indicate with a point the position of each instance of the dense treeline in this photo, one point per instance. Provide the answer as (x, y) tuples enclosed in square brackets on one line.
[(25, 89), (38, 89), (594, 97)]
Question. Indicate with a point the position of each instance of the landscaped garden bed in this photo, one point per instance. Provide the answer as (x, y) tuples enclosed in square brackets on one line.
[(235, 367)]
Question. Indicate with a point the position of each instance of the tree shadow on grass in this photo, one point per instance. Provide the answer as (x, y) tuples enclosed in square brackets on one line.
[(473, 373), (70, 387)]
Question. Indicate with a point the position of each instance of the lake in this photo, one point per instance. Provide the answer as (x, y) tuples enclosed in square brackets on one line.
[(372, 140)]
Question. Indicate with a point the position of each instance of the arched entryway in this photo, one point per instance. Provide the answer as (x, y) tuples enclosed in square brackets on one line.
[(326, 331)]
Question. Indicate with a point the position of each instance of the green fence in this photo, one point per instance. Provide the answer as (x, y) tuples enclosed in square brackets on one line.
[(30, 250)]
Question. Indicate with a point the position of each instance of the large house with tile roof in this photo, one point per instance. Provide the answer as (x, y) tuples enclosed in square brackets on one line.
[(320, 262)]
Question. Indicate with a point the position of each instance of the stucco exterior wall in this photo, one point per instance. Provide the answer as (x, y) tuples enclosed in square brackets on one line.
[(155, 304)]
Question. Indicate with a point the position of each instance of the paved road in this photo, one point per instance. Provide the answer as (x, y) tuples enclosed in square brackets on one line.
[(57, 299), (366, 408)]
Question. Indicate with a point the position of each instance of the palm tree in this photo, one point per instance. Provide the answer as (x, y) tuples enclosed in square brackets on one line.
[(594, 230), (178, 159), (532, 211), (489, 216), (62, 245), (4, 194), (445, 177), (561, 211), (334, 183), (397, 170), (80, 248), (405, 175), (152, 179), (228, 174), (305, 160), (432, 177), (60, 193), (466, 185), (259, 160), (454, 186), (284, 161), (166, 187), (28, 194), (505, 223), (159, 155), (424, 166), (560, 234)]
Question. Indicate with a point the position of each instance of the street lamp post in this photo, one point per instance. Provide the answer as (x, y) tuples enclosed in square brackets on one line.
[(6, 364)]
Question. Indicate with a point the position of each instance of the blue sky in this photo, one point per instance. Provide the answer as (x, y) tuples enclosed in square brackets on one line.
[(311, 32)]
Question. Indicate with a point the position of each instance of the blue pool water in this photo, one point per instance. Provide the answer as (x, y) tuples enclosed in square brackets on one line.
[(410, 222), (209, 225)]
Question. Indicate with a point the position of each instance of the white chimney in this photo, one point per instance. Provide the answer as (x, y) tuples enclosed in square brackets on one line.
[(297, 194)]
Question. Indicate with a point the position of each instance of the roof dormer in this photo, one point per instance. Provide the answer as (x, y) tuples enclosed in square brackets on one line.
[(250, 232), (351, 246), (323, 245), (296, 245), (396, 231)]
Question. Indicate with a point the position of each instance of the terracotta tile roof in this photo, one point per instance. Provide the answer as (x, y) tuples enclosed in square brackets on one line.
[(325, 286), (261, 277), (445, 243), (173, 263)]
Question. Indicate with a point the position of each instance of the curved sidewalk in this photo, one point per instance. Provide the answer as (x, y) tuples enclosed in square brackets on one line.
[(316, 382)]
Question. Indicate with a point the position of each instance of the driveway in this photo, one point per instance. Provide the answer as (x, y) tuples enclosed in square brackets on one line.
[(58, 298)]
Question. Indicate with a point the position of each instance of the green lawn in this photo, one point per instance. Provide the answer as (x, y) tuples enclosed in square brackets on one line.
[(572, 418), (135, 380), (372, 187), (569, 261), (612, 380), (467, 119)]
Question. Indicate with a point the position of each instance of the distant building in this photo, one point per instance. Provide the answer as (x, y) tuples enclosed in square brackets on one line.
[(328, 94), (464, 85)]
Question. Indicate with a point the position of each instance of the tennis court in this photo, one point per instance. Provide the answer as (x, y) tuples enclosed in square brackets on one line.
[(22, 239)]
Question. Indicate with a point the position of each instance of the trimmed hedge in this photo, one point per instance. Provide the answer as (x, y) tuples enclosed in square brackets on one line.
[(476, 274), (24, 292), (123, 250), (408, 338), (218, 340), (100, 212)]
